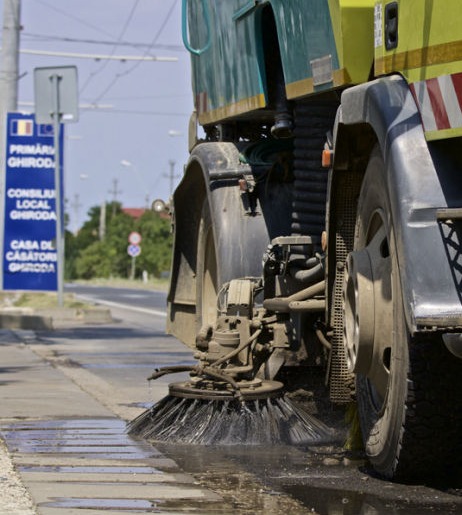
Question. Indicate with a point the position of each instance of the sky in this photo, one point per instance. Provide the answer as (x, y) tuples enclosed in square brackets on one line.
[(133, 116)]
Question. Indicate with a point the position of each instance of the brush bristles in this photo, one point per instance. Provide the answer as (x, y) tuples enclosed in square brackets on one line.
[(217, 422)]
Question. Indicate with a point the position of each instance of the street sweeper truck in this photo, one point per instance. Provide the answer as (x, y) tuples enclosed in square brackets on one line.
[(318, 223)]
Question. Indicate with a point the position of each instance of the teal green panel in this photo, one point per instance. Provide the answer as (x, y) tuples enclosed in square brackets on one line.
[(305, 33), (228, 71)]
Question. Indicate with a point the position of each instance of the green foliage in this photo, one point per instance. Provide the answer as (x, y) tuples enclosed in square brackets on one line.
[(156, 244), (71, 252), (89, 255), (97, 260)]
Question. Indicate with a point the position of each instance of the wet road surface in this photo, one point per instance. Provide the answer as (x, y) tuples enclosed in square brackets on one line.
[(91, 464), (67, 395)]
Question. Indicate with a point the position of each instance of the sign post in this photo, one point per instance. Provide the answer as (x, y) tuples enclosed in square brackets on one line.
[(55, 102), (59, 212), (134, 249)]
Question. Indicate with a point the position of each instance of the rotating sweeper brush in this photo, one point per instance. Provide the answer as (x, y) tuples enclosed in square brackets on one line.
[(231, 396)]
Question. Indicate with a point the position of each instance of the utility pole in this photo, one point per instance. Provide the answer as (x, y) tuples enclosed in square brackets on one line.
[(115, 193), (76, 205), (10, 58), (102, 221), (8, 89), (171, 176)]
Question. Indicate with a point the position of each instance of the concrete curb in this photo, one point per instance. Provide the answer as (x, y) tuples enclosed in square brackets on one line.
[(22, 321), (47, 319)]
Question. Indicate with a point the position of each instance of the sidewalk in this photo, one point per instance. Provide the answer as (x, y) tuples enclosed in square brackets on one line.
[(68, 453), (14, 497)]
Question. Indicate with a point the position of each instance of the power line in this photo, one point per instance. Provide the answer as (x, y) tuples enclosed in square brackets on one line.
[(73, 17), (153, 42), (121, 35), (29, 36), (100, 57), (148, 97), (144, 113), (109, 108)]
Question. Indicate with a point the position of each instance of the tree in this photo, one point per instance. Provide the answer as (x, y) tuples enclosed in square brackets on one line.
[(156, 244), (97, 260), (88, 256)]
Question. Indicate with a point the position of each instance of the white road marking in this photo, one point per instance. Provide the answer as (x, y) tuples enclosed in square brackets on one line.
[(154, 312)]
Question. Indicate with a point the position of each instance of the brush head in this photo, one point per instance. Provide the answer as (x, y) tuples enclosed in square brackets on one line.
[(206, 389), (204, 421)]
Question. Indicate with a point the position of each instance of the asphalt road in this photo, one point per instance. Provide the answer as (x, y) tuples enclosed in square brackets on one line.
[(132, 299), (67, 394)]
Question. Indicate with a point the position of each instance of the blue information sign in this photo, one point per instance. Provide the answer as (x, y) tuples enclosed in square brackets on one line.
[(30, 257), (133, 250)]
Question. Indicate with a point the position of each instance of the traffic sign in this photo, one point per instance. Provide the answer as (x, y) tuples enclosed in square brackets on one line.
[(30, 198), (66, 91), (133, 250), (134, 238)]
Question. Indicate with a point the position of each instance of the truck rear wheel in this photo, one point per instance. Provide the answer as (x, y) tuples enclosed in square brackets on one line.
[(408, 388), (206, 273)]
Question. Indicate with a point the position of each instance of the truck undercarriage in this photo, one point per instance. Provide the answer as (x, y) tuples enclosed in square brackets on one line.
[(316, 227)]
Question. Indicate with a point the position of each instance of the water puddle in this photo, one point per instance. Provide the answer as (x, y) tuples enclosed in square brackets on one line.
[(94, 465), (325, 479), (142, 405), (101, 504), (90, 470)]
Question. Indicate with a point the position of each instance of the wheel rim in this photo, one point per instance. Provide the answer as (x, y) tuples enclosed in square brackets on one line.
[(377, 247)]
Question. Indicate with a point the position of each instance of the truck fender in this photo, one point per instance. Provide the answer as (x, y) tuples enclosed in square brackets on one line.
[(211, 185), (385, 111)]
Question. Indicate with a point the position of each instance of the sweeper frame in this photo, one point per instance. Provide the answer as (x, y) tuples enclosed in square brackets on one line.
[(326, 183)]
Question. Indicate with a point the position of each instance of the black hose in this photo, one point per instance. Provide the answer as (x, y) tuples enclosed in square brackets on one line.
[(323, 339), (207, 371), (310, 275), (159, 372)]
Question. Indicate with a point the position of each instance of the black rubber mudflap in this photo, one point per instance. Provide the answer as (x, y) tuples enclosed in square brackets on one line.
[(312, 123)]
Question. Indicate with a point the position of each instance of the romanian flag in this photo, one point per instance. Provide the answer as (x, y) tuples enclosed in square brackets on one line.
[(22, 128)]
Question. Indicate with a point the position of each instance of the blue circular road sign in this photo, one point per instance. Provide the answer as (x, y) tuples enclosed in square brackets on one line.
[(134, 250)]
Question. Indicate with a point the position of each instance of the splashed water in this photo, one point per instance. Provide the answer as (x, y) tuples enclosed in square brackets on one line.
[(227, 422)]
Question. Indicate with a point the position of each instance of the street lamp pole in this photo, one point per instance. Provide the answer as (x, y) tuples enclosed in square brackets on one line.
[(128, 164)]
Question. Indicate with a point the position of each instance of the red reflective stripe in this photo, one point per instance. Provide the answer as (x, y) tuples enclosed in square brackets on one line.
[(438, 107), (412, 88), (417, 103), (457, 81)]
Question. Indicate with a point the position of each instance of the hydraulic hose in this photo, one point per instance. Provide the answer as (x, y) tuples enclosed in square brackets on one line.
[(159, 372), (307, 276), (207, 371), (282, 303)]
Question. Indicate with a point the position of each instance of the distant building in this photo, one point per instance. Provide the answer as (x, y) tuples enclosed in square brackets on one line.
[(134, 212), (137, 212)]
